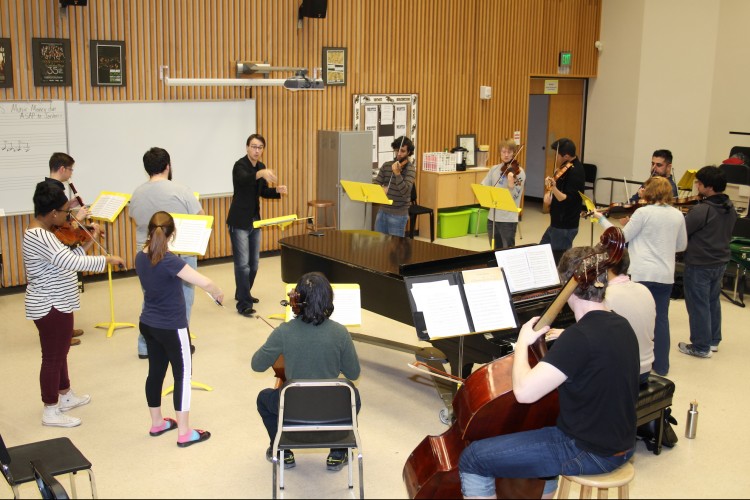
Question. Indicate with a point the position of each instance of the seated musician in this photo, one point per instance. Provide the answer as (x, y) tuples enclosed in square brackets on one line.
[(314, 347), (661, 166), (594, 366)]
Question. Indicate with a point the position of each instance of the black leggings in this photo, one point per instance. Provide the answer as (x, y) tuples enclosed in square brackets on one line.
[(165, 347)]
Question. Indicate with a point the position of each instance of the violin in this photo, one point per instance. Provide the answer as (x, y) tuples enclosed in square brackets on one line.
[(512, 166), (559, 172), (72, 233), (485, 406)]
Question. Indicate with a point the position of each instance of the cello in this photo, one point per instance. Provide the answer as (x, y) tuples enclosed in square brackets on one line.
[(485, 406)]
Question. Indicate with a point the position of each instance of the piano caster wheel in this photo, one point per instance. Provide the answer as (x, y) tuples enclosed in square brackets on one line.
[(446, 416)]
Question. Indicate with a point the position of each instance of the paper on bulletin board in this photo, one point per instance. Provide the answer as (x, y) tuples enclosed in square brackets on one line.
[(386, 114), (399, 120), (384, 143), (374, 130), (384, 157)]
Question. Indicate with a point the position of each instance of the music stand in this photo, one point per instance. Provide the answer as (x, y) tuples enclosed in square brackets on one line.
[(365, 193), (494, 198), (590, 207)]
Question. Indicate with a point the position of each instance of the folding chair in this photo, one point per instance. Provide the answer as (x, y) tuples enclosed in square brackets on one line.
[(49, 487), (58, 456), (317, 414)]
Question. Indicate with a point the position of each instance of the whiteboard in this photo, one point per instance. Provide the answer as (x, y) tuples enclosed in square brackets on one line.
[(203, 138), (30, 131)]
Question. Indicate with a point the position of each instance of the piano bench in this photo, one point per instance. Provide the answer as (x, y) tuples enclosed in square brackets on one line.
[(653, 399)]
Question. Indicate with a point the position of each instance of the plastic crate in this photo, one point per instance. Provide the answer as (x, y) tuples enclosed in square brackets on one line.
[(453, 223), (478, 220), (439, 162)]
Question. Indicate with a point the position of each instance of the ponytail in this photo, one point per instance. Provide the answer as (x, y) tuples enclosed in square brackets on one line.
[(160, 231)]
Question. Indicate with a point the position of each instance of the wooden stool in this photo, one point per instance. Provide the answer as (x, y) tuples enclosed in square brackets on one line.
[(312, 211), (618, 478)]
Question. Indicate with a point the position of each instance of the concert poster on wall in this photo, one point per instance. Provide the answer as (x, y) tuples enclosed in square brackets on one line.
[(6, 64), (51, 62), (107, 63)]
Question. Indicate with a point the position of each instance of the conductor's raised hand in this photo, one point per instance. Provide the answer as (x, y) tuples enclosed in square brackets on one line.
[(267, 174)]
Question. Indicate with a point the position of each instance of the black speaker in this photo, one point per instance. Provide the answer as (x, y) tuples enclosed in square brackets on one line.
[(313, 8)]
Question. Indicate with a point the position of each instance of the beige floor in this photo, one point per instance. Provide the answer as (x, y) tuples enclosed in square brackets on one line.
[(400, 405)]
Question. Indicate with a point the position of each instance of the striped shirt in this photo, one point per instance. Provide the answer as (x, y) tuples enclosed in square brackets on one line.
[(51, 273), (399, 187)]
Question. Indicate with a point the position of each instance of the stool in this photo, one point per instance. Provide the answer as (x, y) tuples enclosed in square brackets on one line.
[(618, 478), (653, 399), (312, 211)]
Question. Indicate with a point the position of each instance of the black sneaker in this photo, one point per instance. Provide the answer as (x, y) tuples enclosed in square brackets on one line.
[(289, 462), (248, 312), (337, 459)]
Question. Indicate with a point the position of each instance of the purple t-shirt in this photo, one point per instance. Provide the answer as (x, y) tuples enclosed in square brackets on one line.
[(163, 300)]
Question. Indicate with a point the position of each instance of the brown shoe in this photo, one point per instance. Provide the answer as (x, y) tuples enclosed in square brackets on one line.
[(77, 332), (75, 341)]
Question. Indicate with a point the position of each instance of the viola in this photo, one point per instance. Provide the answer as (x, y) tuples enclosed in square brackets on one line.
[(512, 166), (485, 406), (559, 172)]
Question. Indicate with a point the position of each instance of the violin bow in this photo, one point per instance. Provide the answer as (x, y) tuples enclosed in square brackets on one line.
[(434, 372)]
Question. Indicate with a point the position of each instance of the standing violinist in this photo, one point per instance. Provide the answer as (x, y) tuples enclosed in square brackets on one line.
[(563, 197), (60, 171), (594, 366), (501, 224), (396, 178), (654, 234), (661, 166)]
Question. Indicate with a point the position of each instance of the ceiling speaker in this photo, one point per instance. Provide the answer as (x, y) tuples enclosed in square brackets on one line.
[(313, 8)]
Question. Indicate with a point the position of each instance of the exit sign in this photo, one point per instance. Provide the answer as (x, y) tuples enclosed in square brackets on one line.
[(565, 58)]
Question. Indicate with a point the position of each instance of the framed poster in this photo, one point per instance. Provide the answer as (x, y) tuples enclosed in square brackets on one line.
[(334, 65), (468, 141), (51, 58), (107, 63), (6, 64)]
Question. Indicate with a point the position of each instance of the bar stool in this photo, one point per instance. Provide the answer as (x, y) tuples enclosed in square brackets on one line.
[(313, 206), (618, 478)]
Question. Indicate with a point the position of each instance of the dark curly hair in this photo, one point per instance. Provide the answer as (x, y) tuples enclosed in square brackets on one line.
[(315, 298)]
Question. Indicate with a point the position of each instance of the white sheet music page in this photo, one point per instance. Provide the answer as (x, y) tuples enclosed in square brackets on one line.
[(444, 314), (347, 305), (191, 236), (528, 268), (489, 302), (107, 206)]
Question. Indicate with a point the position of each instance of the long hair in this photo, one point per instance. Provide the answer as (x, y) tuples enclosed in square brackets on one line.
[(315, 298), (160, 231)]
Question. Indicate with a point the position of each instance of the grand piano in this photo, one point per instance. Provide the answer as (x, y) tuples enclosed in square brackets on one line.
[(379, 263)]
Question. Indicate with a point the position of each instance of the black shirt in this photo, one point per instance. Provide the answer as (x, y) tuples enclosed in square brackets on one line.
[(566, 214), (245, 205), (599, 355)]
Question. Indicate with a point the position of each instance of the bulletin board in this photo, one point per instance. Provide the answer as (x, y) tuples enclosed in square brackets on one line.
[(387, 116)]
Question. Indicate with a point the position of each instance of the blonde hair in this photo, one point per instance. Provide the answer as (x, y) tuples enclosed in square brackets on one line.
[(658, 190), (509, 144), (160, 231)]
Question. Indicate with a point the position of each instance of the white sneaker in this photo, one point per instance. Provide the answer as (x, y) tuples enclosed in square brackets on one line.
[(52, 416), (70, 400), (714, 348)]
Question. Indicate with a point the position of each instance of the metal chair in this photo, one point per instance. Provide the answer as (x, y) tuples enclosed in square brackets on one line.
[(589, 170), (58, 456), (317, 414), (416, 210)]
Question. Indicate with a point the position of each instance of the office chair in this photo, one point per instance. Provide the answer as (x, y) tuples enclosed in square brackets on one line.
[(58, 456), (317, 414), (49, 487), (589, 170), (415, 210)]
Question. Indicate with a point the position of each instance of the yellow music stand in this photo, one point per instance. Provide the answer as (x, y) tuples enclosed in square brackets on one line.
[(495, 198), (365, 193), (687, 180), (112, 325)]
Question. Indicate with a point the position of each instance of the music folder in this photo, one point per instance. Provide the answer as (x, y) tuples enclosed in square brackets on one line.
[(365, 192), (460, 303), (497, 198)]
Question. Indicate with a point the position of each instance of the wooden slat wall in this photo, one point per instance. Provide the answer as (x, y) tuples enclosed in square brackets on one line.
[(442, 50)]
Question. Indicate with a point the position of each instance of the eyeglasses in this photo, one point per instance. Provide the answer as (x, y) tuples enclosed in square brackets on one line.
[(257, 148), (69, 168)]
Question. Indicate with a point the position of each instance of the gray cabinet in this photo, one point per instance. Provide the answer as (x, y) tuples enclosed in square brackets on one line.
[(347, 155)]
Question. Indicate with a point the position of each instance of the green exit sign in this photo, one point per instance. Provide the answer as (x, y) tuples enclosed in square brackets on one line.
[(565, 58)]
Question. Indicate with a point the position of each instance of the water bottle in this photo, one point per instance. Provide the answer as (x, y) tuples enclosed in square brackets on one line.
[(691, 426)]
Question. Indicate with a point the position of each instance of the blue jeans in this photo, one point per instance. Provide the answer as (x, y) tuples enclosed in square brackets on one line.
[(661, 293), (702, 294), (188, 291), (540, 453), (246, 254), (560, 240), (391, 224)]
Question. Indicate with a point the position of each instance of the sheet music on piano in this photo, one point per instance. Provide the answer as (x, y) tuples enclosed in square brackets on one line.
[(528, 268)]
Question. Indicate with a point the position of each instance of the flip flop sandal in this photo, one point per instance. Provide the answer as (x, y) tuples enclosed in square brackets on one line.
[(171, 424), (202, 436)]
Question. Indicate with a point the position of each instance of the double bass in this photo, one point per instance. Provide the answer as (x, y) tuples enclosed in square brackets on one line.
[(485, 406)]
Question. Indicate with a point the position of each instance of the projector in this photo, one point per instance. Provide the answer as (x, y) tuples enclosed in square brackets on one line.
[(65, 3), (303, 83)]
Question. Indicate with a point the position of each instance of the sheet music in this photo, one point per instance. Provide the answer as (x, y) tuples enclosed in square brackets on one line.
[(488, 299), (444, 312), (347, 305), (191, 236), (528, 268), (107, 206)]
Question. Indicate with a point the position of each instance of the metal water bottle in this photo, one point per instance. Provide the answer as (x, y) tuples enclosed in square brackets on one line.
[(691, 425)]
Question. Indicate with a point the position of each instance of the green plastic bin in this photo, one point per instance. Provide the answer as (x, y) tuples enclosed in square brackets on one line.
[(453, 223), (478, 220)]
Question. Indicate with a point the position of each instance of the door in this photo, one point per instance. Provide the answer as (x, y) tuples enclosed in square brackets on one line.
[(536, 145)]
